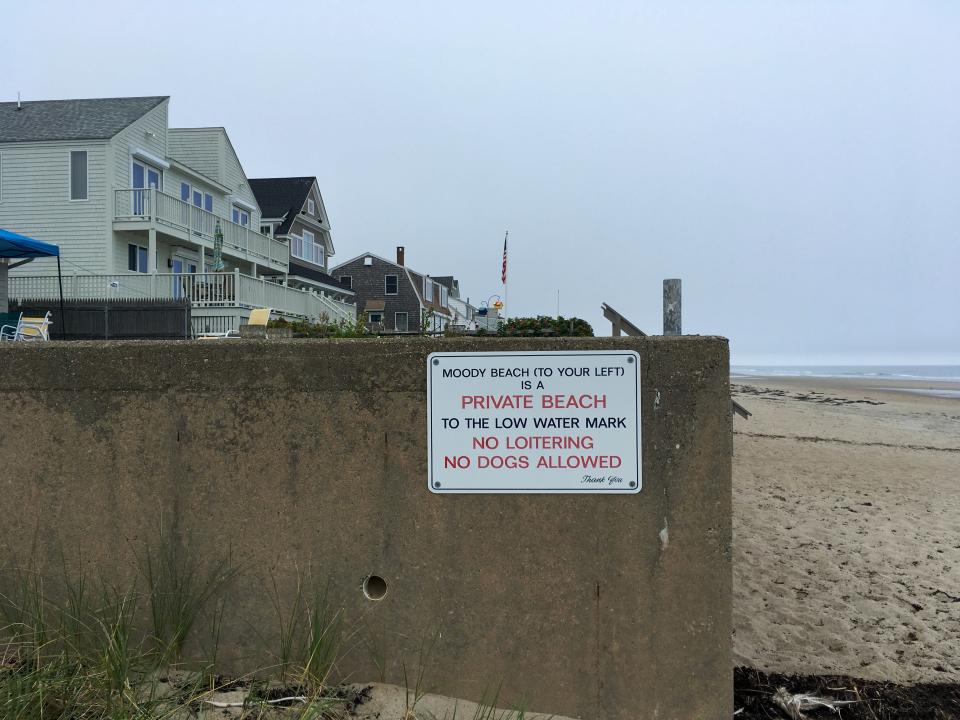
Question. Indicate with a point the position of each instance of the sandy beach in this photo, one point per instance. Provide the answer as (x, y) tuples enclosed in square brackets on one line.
[(847, 528)]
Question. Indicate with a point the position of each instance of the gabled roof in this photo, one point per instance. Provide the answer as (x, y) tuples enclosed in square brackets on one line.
[(367, 254), (282, 198), (95, 119)]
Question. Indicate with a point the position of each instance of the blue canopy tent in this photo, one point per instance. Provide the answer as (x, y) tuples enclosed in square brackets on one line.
[(14, 246)]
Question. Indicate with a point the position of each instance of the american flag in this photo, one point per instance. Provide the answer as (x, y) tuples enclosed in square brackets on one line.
[(503, 274)]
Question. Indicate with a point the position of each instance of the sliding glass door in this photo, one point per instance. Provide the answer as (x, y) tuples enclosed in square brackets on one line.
[(143, 177)]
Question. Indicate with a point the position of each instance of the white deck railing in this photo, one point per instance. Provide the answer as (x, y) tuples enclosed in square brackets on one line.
[(132, 205), (203, 290)]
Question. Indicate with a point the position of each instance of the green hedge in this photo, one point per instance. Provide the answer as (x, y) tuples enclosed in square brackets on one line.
[(543, 325)]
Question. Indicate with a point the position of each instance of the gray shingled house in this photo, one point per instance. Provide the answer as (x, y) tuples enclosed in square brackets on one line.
[(391, 297)]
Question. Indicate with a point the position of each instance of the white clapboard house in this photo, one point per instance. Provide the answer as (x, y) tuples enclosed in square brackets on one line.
[(136, 207)]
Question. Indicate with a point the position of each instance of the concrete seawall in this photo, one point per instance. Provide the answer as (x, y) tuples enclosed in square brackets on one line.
[(309, 458)]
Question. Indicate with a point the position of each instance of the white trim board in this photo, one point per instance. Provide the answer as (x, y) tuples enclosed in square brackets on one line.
[(139, 152)]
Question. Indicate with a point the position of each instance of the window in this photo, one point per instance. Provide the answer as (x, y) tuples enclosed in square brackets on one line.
[(78, 175), (401, 322), (307, 248), (346, 281), (443, 295), (266, 230), (199, 199), (368, 260), (375, 318), (241, 216), (136, 258), (145, 176), (390, 284), (311, 207), (1, 178), (428, 289)]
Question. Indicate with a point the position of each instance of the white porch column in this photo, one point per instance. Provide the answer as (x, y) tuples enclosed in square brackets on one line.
[(253, 269), (152, 250)]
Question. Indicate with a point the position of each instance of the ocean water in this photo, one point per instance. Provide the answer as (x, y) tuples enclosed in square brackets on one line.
[(876, 372)]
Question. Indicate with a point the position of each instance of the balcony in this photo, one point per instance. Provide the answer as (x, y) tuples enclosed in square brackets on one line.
[(151, 208), (205, 291)]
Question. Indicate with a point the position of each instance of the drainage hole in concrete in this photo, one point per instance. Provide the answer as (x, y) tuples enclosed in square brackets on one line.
[(374, 587)]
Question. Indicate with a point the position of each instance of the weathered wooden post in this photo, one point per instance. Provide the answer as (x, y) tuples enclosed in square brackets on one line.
[(671, 307)]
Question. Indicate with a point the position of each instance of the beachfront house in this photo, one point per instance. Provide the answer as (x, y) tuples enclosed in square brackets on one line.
[(293, 212), (463, 314), (137, 208), (394, 298)]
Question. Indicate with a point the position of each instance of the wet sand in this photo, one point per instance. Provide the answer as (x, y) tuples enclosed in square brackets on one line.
[(847, 528)]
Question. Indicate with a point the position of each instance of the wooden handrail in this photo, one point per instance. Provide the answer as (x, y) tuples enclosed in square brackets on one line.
[(620, 323)]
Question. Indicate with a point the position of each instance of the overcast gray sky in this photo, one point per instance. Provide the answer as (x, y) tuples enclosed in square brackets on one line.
[(797, 164)]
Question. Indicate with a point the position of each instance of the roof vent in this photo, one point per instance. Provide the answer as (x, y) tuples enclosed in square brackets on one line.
[(368, 260), (19, 107)]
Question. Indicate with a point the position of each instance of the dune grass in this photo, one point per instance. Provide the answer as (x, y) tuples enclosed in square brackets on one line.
[(82, 648), (178, 589), (310, 633)]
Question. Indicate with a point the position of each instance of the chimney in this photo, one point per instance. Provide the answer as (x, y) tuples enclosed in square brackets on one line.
[(400, 255)]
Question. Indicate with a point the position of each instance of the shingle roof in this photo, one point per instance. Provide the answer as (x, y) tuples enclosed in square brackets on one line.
[(96, 119), (297, 268), (277, 197)]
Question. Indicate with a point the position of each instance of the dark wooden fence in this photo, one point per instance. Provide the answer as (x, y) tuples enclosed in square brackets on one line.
[(115, 319)]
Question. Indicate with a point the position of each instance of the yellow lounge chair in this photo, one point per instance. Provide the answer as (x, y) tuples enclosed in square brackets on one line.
[(31, 329), (259, 316)]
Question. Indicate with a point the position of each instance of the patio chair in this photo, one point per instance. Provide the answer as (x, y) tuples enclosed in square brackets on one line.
[(260, 316), (31, 329), (228, 335), (36, 328), (9, 324), (219, 335)]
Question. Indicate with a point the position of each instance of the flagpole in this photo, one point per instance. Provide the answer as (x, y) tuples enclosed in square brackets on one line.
[(506, 306)]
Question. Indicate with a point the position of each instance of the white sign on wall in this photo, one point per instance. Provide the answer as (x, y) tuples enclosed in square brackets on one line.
[(534, 422)]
